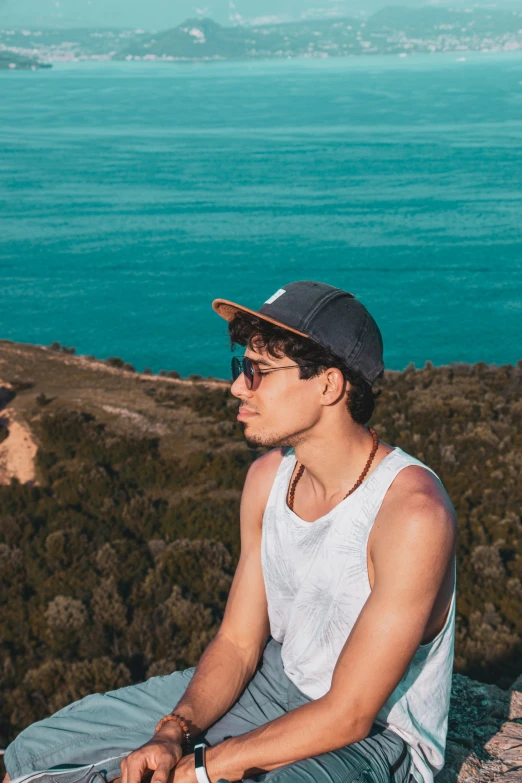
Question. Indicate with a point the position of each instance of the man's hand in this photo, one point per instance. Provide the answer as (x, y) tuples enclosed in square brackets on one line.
[(160, 755), (185, 771)]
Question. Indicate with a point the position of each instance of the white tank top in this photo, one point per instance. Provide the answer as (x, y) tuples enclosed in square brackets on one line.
[(316, 581)]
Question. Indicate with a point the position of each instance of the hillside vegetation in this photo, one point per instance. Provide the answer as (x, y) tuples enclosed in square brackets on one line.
[(116, 563)]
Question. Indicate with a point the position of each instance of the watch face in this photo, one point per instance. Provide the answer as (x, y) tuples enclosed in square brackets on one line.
[(199, 756)]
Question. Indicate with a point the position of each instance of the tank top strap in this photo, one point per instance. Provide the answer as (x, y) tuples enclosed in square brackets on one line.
[(379, 481), (277, 496)]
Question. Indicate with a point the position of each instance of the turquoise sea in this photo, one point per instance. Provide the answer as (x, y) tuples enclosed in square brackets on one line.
[(133, 194)]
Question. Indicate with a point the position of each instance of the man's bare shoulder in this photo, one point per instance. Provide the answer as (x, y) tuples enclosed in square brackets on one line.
[(262, 471), (415, 488), (416, 504), (258, 483)]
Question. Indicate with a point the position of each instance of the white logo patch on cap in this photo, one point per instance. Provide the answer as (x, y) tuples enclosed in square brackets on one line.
[(276, 296)]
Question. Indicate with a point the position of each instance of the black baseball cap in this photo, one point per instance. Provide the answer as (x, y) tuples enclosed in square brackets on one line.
[(330, 316)]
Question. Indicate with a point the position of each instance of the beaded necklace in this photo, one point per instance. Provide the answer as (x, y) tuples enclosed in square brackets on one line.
[(358, 483)]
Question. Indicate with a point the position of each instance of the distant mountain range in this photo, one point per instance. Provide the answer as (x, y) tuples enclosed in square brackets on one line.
[(388, 31), (394, 30)]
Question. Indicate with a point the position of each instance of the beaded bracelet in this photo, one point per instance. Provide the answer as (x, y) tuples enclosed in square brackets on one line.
[(178, 719)]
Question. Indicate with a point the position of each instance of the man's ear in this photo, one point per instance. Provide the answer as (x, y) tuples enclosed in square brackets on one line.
[(334, 386)]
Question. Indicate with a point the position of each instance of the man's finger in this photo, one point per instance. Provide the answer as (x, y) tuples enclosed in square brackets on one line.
[(162, 772), (136, 768)]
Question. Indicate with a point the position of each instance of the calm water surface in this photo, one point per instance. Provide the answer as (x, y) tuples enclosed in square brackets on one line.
[(133, 194)]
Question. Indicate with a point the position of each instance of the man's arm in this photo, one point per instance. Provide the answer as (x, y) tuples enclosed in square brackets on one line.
[(231, 658), (412, 557)]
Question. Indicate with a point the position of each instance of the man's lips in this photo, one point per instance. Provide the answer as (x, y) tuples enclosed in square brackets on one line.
[(245, 413)]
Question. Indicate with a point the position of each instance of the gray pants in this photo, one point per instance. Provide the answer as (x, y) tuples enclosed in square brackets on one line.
[(113, 724)]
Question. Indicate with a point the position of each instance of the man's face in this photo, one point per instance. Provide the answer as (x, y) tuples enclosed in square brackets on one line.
[(280, 408)]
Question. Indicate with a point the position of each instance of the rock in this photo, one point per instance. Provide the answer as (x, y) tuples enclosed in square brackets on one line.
[(515, 707), (484, 733)]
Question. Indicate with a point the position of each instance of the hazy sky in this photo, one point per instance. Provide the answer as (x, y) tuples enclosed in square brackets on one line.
[(153, 14)]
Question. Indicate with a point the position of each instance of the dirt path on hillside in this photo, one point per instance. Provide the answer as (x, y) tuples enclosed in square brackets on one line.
[(18, 450)]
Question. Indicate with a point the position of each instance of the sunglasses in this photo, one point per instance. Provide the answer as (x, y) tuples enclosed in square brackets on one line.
[(246, 367)]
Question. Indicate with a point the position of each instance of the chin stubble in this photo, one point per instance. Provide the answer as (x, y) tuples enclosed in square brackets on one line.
[(272, 440)]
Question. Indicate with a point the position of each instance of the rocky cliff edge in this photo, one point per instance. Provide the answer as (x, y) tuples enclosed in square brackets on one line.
[(484, 734)]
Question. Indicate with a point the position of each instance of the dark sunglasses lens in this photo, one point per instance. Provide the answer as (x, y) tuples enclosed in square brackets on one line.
[(236, 368), (243, 366), (249, 372)]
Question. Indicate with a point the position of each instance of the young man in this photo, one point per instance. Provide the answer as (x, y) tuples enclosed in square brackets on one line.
[(333, 662)]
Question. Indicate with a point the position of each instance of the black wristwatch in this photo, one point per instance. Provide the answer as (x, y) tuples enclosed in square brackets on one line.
[(199, 763)]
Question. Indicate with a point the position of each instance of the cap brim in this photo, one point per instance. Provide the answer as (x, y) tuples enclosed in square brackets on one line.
[(228, 310)]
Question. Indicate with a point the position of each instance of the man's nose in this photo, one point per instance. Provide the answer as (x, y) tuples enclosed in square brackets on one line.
[(239, 388)]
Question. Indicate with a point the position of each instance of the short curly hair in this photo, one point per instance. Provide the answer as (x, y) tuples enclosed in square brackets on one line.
[(246, 329)]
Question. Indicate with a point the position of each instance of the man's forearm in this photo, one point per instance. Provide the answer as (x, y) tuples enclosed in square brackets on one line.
[(221, 675), (309, 730)]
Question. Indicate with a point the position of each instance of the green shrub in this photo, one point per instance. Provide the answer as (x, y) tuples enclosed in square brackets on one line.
[(115, 361)]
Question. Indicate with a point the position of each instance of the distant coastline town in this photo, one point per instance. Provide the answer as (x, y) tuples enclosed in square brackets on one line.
[(394, 31)]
